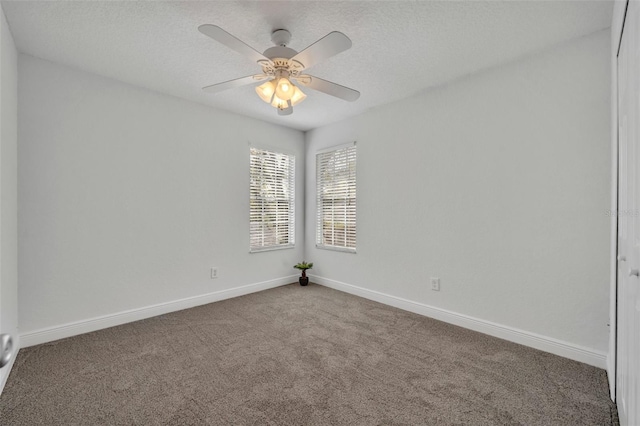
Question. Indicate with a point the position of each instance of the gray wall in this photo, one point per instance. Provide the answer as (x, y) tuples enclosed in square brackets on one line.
[(499, 184), (8, 188), (129, 197)]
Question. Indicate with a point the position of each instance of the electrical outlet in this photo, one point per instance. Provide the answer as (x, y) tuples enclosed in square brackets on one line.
[(214, 273), (435, 284)]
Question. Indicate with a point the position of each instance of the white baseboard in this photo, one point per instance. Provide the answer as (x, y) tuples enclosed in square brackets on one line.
[(6, 370), (543, 343), (62, 331)]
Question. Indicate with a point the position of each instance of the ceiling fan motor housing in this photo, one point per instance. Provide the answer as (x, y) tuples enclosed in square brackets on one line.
[(280, 56), (281, 37), (280, 62), (280, 52)]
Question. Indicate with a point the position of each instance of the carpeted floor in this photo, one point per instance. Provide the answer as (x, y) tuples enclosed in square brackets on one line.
[(298, 356)]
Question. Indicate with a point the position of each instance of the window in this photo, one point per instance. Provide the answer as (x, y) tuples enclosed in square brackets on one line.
[(272, 214), (336, 202)]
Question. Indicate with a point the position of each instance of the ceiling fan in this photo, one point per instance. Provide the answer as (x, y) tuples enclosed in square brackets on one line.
[(281, 66)]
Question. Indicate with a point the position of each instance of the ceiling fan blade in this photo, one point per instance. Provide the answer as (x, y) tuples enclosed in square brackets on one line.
[(328, 46), (242, 81), (232, 42), (328, 87)]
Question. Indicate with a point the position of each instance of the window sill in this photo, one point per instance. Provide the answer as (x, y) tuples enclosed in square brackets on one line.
[(260, 250), (334, 248)]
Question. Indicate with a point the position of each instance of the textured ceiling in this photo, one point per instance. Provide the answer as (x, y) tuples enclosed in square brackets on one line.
[(399, 47)]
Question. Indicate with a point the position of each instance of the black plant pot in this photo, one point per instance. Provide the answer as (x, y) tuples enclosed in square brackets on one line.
[(303, 280)]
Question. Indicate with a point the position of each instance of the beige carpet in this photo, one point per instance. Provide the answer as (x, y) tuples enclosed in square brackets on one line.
[(298, 356)]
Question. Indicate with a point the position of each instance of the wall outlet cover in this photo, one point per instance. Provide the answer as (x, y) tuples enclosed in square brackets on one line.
[(435, 284)]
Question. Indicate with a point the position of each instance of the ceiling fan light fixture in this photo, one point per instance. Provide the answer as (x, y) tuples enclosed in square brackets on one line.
[(268, 94), (266, 91), (284, 89)]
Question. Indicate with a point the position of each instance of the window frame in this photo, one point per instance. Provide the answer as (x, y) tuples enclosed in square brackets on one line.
[(319, 204), (291, 199)]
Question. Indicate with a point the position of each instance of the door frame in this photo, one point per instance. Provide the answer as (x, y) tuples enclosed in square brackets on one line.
[(617, 27)]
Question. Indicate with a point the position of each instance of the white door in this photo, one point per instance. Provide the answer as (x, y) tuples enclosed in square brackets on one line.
[(628, 352)]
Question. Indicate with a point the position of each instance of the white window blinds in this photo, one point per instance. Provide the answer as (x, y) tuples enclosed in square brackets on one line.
[(336, 198), (272, 191)]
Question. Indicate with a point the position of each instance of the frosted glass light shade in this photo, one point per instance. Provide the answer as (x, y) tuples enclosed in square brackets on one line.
[(298, 96), (284, 89), (279, 103), (266, 91)]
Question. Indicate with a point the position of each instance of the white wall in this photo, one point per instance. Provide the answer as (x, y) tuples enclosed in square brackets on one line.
[(128, 197), (497, 183), (8, 189)]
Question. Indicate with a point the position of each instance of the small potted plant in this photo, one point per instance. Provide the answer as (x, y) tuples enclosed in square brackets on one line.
[(303, 266)]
